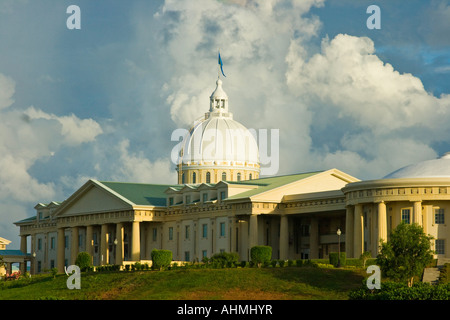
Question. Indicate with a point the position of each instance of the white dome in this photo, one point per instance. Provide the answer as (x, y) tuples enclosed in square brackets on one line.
[(218, 139), (426, 169)]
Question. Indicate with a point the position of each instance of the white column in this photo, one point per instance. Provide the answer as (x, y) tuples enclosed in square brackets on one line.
[(119, 246), (418, 212), (349, 221), (284, 237), (60, 250), (358, 231), (135, 241), (382, 223)]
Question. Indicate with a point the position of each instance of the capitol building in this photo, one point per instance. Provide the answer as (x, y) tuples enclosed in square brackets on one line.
[(221, 204)]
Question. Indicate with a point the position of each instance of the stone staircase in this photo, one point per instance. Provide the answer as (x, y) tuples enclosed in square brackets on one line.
[(431, 275)]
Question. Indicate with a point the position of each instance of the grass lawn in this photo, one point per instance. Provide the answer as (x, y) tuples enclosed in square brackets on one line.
[(289, 283)]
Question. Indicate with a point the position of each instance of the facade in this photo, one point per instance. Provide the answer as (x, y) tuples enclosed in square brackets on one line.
[(220, 204)]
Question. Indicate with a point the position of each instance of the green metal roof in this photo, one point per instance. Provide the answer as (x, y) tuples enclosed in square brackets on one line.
[(269, 183), (140, 193)]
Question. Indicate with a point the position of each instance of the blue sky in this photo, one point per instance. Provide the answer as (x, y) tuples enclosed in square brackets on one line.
[(101, 102)]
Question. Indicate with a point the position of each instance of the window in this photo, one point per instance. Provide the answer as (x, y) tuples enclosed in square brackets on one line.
[(439, 216), (208, 177), (440, 246), (224, 176), (239, 176), (205, 197), (39, 244), (155, 234), (52, 243), (222, 195), (204, 253), (188, 199), (194, 177), (204, 230), (222, 229), (52, 264), (170, 233), (406, 216), (186, 256), (183, 178), (39, 266), (40, 215), (171, 201), (186, 233), (80, 240)]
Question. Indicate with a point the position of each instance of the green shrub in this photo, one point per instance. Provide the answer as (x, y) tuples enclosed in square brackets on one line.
[(299, 263), (260, 254), (334, 258), (161, 258), (225, 259), (400, 291), (84, 261), (281, 263), (274, 263)]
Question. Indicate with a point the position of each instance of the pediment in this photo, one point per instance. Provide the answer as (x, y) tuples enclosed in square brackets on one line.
[(93, 197)]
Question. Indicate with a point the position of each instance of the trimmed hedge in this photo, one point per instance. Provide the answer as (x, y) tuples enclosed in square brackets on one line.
[(334, 258), (161, 258), (260, 254), (398, 291)]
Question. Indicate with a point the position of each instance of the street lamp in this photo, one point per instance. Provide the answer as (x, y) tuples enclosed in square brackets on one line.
[(339, 247)]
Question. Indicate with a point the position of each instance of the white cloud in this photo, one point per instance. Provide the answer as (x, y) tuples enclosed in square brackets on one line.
[(135, 167)]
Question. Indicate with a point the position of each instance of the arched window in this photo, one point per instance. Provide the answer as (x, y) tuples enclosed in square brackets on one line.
[(224, 176), (208, 177), (194, 177), (239, 176)]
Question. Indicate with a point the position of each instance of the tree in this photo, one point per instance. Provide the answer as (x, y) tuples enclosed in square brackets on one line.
[(260, 254), (406, 254), (84, 261)]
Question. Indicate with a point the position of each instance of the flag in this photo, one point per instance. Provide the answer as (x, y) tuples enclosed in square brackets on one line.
[(221, 65)]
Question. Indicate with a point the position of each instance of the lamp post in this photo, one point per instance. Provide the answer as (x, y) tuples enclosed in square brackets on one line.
[(339, 247)]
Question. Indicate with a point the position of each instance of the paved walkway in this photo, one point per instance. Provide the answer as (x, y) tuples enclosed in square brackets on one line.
[(431, 275)]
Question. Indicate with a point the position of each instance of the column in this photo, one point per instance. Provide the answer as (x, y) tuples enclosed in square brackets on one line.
[(60, 250), (104, 244), (233, 233), (135, 241), (382, 224), (74, 245), (119, 246), (284, 237), (314, 238), (349, 220), (23, 244), (358, 245), (253, 235), (418, 212), (89, 241)]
